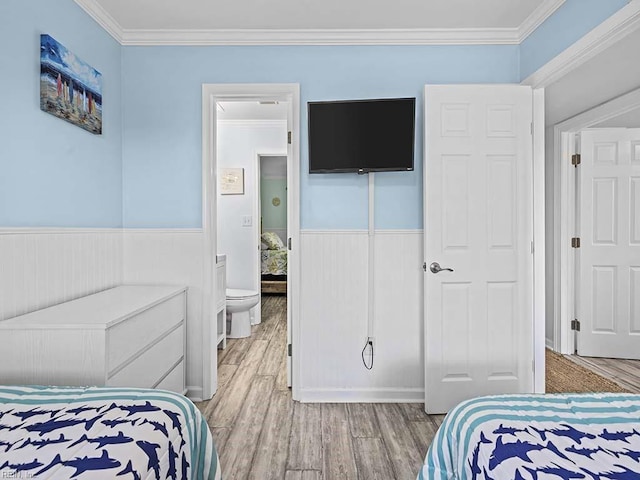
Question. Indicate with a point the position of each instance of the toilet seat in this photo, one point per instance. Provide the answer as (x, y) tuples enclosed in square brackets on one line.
[(239, 294), (239, 304)]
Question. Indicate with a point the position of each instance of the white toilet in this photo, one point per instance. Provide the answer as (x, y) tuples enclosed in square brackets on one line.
[(239, 302)]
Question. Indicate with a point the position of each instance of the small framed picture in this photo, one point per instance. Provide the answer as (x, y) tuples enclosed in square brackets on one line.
[(232, 181)]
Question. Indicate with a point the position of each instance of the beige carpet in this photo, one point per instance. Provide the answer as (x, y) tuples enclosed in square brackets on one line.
[(565, 376)]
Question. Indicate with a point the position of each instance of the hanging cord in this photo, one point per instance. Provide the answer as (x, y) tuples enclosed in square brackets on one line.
[(370, 345)]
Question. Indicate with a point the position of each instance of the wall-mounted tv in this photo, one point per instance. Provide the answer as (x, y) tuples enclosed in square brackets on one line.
[(362, 135)]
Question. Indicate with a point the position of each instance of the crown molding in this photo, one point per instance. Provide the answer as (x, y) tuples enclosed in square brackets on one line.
[(428, 36), (537, 18), (612, 30), (102, 17)]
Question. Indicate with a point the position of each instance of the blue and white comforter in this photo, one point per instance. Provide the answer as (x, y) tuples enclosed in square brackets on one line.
[(526, 437), (103, 433)]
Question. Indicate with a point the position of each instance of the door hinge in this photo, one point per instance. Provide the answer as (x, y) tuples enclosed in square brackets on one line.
[(424, 266), (289, 350), (531, 128), (575, 242), (575, 159), (289, 243), (533, 249), (575, 325), (289, 138)]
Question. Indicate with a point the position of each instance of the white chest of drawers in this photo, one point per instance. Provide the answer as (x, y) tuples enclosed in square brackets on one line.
[(127, 336)]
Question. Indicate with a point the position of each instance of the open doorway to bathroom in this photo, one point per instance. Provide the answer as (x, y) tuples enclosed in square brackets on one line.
[(224, 107), (252, 225)]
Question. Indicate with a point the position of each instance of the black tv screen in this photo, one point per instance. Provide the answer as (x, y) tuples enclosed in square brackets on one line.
[(361, 135)]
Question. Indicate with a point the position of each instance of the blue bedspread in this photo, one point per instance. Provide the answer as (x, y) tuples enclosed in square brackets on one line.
[(103, 433), (527, 437)]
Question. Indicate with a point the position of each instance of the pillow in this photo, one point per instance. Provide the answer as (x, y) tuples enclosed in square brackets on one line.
[(272, 241)]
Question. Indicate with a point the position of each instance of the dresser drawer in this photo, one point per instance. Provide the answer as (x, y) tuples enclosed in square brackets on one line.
[(147, 370), (129, 337), (174, 381)]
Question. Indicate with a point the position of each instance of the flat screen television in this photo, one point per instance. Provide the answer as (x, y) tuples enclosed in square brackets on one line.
[(362, 135)]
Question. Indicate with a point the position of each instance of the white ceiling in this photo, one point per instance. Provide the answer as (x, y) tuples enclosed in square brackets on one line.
[(628, 120), (315, 14)]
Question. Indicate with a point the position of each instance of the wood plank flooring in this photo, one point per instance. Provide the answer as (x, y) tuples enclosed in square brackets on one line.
[(262, 434), (625, 373)]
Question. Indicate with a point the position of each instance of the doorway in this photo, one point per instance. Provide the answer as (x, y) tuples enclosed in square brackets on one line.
[(569, 268), (606, 244), (273, 234), (217, 100)]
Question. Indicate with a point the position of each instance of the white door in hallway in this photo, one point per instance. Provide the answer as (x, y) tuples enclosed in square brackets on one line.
[(479, 223), (608, 260)]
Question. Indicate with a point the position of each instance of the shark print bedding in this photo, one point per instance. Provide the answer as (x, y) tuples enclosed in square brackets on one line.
[(538, 437), (103, 433)]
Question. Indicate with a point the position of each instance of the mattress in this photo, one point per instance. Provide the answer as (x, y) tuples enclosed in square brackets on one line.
[(274, 262), (103, 433), (538, 437)]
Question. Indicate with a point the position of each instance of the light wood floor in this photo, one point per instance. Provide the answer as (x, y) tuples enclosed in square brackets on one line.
[(625, 373), (262, 434)]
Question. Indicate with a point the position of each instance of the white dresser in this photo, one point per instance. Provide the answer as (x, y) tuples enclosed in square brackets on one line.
[(127, 336)]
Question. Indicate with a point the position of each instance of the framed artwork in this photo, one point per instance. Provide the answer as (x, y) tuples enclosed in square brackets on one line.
[(70, 89), (232, 181)]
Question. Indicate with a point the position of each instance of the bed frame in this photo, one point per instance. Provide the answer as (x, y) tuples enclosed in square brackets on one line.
[(274, 284)]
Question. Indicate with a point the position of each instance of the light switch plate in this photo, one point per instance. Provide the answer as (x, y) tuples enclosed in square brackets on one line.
[(247, 221)]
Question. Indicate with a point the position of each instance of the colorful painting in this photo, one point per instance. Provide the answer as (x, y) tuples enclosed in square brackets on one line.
[(69, 88)]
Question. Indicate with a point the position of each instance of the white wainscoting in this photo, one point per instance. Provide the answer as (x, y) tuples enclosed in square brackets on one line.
[(175, 256), (40, 267), (333, 323)]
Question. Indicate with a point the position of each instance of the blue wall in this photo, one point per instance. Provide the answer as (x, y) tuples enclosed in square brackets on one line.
[(568, 24), (162, 121), (51, 172), (147, 162)]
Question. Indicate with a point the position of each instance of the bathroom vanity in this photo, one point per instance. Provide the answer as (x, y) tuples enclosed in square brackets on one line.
[(221, 300)]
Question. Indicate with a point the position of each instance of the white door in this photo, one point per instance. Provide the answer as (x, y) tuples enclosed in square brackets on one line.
[(608, 260), (478, 223)]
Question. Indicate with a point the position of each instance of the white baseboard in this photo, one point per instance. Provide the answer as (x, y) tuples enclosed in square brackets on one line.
[(194, 394), (361, 395), (549, 344)]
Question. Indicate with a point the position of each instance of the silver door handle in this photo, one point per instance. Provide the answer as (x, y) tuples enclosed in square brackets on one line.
[(436, 268)]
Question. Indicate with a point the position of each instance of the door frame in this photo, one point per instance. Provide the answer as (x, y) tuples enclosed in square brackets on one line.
[(211, 94), (257, 209), (565, 135)]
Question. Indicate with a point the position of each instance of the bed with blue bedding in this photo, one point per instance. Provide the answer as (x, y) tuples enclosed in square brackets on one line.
[(538, 437), (103, 433)]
